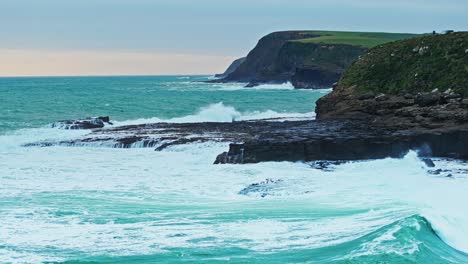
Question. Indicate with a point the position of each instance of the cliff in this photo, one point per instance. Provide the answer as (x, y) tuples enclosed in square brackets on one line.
[(234, 65), (307, 59), (415, 82)]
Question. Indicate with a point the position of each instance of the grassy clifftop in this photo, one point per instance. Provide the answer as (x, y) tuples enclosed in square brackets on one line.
[(363, 39), (414, 65), (308, 59)]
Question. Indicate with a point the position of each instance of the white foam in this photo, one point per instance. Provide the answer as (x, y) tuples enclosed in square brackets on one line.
[(242, 86), (138, 201), (219, 112)]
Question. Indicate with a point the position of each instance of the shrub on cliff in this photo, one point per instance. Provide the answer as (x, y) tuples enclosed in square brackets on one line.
[(414, 65)]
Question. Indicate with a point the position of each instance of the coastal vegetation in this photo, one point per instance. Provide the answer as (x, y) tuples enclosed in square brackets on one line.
[(423, 64), (364, 39)]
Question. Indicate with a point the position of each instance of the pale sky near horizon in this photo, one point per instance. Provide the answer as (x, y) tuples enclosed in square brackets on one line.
[(132, 37)]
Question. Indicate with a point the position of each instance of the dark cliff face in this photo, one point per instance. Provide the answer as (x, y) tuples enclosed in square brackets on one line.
[(315, 66), (259, 63), (234, 65), (278, 58)]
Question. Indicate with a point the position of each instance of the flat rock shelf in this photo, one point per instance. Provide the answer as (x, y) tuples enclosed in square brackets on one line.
[(270, 140)]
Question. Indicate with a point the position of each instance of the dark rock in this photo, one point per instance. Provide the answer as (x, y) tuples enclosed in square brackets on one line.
[(181, 141), (335, 140), (427, 99), (429, 163), (315, 78), (325, 165), (252, 84), (234, 157), (263, 188), (86, 123), (344, 141), (368, 95), (435, 172)]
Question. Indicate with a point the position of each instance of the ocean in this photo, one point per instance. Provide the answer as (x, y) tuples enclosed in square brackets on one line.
[(94, 204)]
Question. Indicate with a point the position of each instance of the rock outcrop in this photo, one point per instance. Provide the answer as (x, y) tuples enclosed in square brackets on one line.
[(387, 102), (85, 123), (257, 141), (420, 82)]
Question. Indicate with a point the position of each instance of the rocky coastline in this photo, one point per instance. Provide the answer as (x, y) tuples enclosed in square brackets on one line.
[(355, 121), (387, 102)]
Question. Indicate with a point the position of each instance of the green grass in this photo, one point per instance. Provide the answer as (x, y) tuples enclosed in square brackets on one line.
[(414, 65), (364, 39)]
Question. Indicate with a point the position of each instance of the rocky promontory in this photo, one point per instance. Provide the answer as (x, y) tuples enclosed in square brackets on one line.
[(404, 95), (420, 82), (307, 59)]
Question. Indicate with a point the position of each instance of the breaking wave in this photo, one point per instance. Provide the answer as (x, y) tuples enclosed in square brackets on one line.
[(222, 113)]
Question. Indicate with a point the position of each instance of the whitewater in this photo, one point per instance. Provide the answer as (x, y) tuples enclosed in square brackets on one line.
[(106, 205)]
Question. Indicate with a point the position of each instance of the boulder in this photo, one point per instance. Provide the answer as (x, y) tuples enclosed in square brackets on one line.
[(427, 99)]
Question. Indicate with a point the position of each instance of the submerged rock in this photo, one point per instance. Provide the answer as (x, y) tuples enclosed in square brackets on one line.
[(262, 188), (325, 165)]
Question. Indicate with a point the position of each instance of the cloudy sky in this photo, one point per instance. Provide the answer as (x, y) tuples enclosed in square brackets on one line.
[(107, 37)]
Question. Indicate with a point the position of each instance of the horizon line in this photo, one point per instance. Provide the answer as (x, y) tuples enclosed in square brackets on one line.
[(111, 75)]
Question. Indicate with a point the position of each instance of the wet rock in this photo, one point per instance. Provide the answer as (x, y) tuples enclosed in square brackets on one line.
[(234, 157), (86, 123), (429, 163), (263, 188), (344, 141), (310, 140), (252, 84), (435, 172), (325, 165)]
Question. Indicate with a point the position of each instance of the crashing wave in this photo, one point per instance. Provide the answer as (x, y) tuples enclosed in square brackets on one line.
[(219, 112)]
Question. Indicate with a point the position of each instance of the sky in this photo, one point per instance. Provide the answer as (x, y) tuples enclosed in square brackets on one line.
[(161, 37)]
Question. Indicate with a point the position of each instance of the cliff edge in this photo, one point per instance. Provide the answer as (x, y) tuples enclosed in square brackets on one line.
[(307, 59)]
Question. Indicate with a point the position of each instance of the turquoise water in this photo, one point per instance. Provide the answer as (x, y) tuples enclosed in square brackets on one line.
[(32, 102), (104, 205)]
